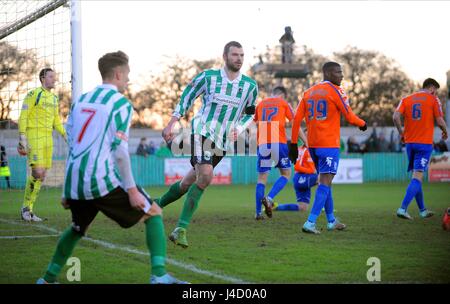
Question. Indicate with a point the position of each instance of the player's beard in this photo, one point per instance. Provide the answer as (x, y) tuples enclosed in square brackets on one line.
[(233, 67)]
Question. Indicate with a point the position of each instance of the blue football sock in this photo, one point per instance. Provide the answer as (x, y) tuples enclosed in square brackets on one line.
[(278, 186), (260, 189), (322, 193), (329, 208), (413, 187), (287, 207), (419, 199)]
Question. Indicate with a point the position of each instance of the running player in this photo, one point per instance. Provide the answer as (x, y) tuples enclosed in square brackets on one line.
[(98, 128), (228, 108)]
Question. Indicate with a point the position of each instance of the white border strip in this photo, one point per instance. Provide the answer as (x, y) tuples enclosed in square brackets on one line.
[(109, 245), (15, 237)]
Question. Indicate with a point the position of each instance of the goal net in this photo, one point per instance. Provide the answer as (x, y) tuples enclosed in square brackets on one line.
[(33, 35)]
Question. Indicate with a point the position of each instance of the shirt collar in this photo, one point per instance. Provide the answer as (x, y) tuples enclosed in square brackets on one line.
[(224, 75), (108, 86)]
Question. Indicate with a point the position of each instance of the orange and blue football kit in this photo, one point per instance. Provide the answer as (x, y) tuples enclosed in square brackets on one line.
[(270, 117), (419, 111), (321, 107)]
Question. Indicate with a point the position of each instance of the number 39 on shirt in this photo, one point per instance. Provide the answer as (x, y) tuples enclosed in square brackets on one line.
[(317, 109)]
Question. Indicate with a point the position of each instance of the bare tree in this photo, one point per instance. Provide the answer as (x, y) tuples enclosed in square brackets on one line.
[(154, 104), (375, 83), (17, 69)]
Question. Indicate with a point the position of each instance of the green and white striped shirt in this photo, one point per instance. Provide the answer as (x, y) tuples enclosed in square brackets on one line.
[(97, 123), (224, 102)]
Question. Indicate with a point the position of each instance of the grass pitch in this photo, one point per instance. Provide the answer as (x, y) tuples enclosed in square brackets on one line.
[(227, 245)]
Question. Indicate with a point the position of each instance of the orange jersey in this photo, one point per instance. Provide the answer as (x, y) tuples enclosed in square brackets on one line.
[(270, 116), (304, 163), (321, 107), (420, 111)]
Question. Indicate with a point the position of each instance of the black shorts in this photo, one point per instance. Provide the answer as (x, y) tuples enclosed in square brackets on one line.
[(114, 205), (204, 151)]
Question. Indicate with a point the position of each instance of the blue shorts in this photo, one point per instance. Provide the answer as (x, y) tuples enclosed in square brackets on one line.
[(272, 155), (302, 185), (418, 156), (325, 159)]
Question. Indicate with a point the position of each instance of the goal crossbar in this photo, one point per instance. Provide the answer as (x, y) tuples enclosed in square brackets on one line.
[(44, 10)]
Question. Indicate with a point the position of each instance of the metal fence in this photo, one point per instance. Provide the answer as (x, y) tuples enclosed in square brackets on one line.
[(149, 171)]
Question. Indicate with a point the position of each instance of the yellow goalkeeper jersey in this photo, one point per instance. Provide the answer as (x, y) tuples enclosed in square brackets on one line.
[(40, 111)]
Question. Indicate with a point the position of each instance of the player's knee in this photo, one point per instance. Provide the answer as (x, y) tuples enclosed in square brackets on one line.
[(286, 173), (155, 210), (186, 183), (303, 206), (81, 231), (418, 175), (38, 174), (204, 181), (262, 178), (203, 184)]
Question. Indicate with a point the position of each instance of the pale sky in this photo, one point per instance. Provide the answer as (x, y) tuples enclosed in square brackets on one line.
[(414, 33)]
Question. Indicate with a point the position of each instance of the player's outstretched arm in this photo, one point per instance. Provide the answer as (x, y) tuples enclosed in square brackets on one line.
[(22, 146), (443, 126), (249, 112), (352, 118), (299, 115), (28, 104), (122, 158), (398, 123), (58, 126), (167, 132)]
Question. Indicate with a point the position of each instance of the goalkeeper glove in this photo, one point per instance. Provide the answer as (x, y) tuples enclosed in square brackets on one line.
[(293, 152), (22, 146), (363, 128)]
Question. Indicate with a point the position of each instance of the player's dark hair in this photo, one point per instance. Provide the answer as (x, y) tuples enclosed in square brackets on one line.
[(329, 65), (43, 73), (430, 82), (279, 90), (227, 47), (109, 61)]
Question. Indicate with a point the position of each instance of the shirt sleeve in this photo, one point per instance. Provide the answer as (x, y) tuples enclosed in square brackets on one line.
[(289, 112), (247, 119), (299, 116), (27, 106), (401, 107), (256, 118), (437, 108), (57, 124), (122, 122), (194, 89)]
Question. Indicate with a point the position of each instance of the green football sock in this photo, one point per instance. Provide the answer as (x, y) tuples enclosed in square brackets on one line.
[(171, 195), (66, 244), (156, 242), (190, 205)]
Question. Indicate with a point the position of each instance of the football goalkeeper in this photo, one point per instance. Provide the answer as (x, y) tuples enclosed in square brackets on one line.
[(38, 118)]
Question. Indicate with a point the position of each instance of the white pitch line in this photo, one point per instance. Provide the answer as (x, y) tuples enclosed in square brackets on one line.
[(109, 245), (15, 237)]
